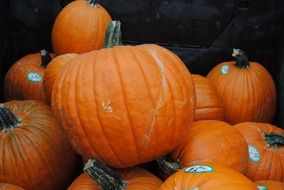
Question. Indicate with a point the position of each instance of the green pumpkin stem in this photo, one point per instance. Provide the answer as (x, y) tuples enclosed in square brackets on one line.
[(241, 58), (274, 139), (168, 165), (45, 58), (103, 175), (8, 121), (92, 2), (113, 34)]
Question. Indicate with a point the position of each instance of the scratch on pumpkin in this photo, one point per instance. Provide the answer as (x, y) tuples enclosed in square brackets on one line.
[(106, 105)]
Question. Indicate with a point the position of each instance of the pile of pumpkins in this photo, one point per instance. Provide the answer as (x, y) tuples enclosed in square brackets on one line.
[(121, 106)]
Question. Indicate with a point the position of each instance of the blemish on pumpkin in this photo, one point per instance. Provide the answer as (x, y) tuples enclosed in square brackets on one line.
[(107, 106)]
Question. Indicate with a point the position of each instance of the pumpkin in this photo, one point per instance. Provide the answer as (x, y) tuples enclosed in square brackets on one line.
[(80, 27), (52, 71), (6, 186), (266, 150), (207, 176), (212, 142), (270, 185), (208, 104), (23, 80), (35, 154), (99, 176), (124, 105), (246, 89)]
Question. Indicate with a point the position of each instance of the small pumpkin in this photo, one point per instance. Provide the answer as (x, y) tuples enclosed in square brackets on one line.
[(52, 71), (80, 27), (270, 185), (23, 80), (35, 153), (209, 141), (99, 176), (139, 96), (208, 104), (246, 89), (7, 186), (266, 150), (207, 176)]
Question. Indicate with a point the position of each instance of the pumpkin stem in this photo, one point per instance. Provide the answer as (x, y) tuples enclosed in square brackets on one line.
[(113, 34), (241, 58), (274, 139), (92, 2), (45, 58), (8, 121), (168, 165), (104, 176)]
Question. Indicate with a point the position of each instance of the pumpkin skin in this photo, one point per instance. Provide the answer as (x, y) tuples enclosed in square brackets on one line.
[(34, 149), (215, 142), (220, 178), (23, 80), (208, 104), (248, 92), (121, 104), (83, 25), (270, 185), (135, 178), (6, 186), (52, 71), (265, 162)]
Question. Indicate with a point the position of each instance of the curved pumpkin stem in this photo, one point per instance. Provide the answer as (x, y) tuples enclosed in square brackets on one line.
[(113, 34), (168, 165), (104, 176), (8, 121), (241, 58), (274, 139), (45, 58), (92, 2)]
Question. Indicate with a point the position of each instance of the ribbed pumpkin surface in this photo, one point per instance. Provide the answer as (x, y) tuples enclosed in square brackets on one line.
[(125, 105)]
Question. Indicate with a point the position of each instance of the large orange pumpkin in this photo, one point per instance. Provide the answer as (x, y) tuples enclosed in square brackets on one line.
[(35, 154), (246, 89), (270, 185), (211, 142), (98, 176), (266, 150), (51, 72), (23, 80), (6, 186), (80, 27), (208, 104), (207, 176), (125, 105)]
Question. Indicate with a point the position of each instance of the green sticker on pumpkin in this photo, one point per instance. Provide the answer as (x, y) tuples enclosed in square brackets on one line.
[(34, 77), (199, 169), (254, 154), (262, 187)]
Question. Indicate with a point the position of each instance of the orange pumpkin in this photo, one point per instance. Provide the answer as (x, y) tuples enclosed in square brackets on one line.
[(23, 80), (270, 185), (35, 154), (6, 186), (207, 176), (52, 71), (246, 89), (99, 176), (139, 96), (80, 27), (266, 150), (212, 142), (208, 104)]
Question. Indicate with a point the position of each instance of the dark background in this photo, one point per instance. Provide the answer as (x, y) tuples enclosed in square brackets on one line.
[(201, 32)]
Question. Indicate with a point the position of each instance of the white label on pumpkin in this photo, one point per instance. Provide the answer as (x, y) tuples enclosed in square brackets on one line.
[(254, 154), (34, 77), (225, 69), (199, 169), (262, 187)]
